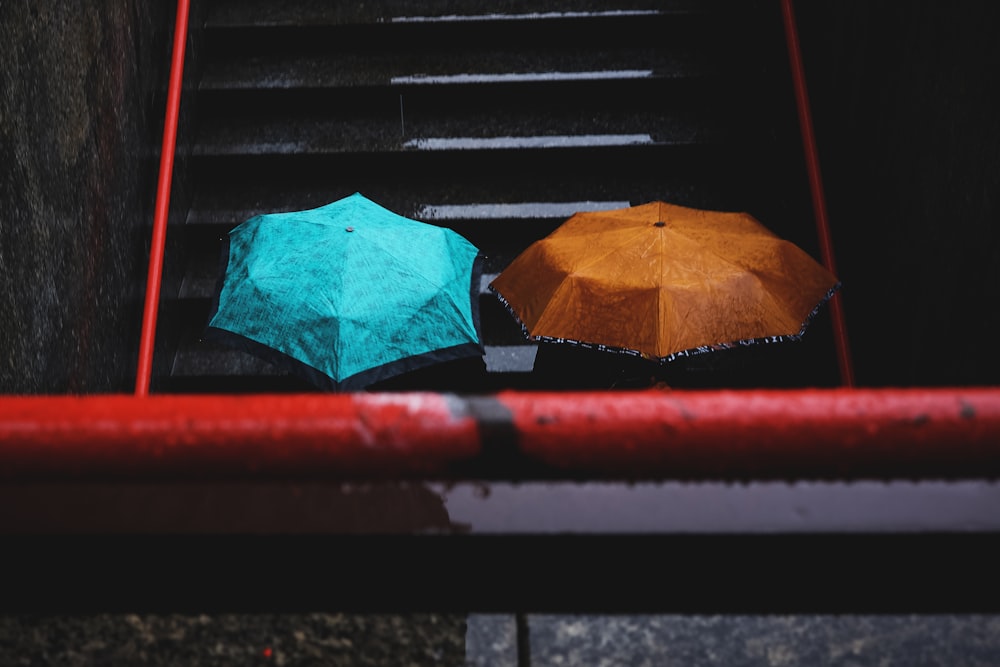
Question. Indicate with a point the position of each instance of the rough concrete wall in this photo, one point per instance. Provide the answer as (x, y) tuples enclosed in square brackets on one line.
[(80, 113)]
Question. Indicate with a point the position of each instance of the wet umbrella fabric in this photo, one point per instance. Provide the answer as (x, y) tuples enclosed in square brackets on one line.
[(348, 294), (663, 281)]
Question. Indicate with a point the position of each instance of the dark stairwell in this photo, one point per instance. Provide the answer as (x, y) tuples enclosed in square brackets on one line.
[(499, 122)]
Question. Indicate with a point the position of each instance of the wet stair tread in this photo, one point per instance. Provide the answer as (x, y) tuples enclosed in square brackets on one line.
[(416, 131), (232, 13), (401, 71), (503, 45), (514, 202)]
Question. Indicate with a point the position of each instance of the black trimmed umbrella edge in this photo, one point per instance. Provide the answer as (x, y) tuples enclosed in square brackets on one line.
[(690, 352)]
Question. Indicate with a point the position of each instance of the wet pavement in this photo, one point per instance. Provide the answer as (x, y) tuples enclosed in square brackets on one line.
[(494, 640)]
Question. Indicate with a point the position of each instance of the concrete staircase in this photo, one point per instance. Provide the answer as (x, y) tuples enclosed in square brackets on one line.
[(498, 120)]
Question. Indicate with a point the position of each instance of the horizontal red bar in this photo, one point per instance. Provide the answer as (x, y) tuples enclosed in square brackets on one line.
[(257, 436), (651, 434), (838, 433)]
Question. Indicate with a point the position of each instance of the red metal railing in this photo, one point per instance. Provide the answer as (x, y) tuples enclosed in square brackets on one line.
[(158, 243), (816, 188), (650, 434)]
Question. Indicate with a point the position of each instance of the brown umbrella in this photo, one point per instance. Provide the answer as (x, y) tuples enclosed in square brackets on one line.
[(663, 281)]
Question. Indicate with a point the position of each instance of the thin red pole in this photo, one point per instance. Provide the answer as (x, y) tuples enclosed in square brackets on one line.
[(816, 188), (158, 243), (834, 433)]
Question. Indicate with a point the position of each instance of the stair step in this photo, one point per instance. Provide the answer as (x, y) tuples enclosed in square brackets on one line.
[(406, 180), (266, 13), (409, 72), (322, 134), (379, 49)]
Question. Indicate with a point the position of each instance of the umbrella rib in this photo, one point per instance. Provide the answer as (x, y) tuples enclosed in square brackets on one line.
[(660, 305), (608, 251)]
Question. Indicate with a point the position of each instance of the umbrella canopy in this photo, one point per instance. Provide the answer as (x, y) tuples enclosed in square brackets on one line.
[(663, 281), (348, 294)]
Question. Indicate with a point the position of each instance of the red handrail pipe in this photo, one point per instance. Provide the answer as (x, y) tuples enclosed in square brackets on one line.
[(816, 189), (823, 433), (158, 242)]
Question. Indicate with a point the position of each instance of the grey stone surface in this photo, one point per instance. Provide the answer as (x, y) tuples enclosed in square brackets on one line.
[(481, 640), (491, 640), (227, 640), (77, 112), (768, 641), (82, 102)]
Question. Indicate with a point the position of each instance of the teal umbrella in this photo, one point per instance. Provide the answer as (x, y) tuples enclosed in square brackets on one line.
[(348, 294)]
